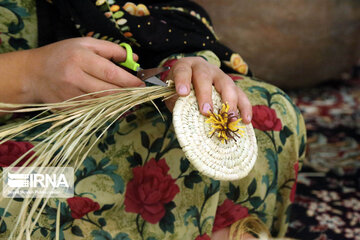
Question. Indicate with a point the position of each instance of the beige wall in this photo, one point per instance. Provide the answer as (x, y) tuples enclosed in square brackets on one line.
[(291, 43)]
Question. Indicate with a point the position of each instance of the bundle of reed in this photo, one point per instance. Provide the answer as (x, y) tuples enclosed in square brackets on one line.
[(72, 124)]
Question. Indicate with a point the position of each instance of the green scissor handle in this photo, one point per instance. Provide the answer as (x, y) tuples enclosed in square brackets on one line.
[(129, 62)]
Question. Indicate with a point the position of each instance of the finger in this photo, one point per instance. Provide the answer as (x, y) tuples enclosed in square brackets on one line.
[(103, 69), (245, 106), (89, 84), (202, 82), (107, 49), (226, 87), (181, 73)]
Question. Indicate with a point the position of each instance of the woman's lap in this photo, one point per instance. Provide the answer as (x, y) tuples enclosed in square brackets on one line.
[(137, 171)]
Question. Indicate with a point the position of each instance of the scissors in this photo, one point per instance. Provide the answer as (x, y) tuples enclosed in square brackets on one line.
[(147, 75)]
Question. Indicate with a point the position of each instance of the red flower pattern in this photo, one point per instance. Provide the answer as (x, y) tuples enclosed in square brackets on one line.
[(80, 206), (265, 119), (203, 237), (235, 77), (150, 189), (293, 189), (228, 213), (10, 151)]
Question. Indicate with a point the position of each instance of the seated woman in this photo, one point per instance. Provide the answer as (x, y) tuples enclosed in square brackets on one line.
[(136, 183)]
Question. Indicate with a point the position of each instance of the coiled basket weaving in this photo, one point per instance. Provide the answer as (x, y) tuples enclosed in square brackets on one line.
[(222, 161)]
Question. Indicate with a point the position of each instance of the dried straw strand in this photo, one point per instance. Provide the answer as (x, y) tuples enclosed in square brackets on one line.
[(73, 124)]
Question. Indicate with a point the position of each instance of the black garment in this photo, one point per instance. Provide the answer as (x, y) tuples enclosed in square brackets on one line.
[(162, 33)]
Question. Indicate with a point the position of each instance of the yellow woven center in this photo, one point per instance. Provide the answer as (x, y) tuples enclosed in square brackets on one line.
[(223, 126)]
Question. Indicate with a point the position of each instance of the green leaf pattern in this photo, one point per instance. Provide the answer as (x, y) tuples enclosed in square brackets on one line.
[(18, 25)]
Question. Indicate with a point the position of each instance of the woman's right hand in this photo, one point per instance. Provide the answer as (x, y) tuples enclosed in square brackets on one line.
[(73, 67)]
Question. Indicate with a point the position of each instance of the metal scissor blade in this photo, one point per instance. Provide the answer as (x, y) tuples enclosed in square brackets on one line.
[(156, 81), (144, 74)]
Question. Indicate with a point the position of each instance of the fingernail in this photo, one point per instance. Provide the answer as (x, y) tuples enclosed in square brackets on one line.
[(249, 118), (233, 116), (182, 90), (206, 108)]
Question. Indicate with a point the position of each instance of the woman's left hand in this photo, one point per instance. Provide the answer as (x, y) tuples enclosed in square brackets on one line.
[(203, 75)]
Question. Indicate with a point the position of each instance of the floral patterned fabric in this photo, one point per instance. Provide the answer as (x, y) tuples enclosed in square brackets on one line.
[(327, 204), (331, 112), (18, 25), (136, 182)]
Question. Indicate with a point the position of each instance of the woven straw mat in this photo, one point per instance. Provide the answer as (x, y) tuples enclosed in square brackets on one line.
[(221, 161)]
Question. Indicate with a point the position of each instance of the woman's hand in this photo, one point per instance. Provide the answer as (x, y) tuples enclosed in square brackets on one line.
[(77, 66), (200, 73)]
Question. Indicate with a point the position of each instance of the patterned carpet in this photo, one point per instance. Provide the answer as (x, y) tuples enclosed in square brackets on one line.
[(327, 205)]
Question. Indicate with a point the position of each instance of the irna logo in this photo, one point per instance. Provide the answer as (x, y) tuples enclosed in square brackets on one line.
[(30, 182), (37, 180)]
